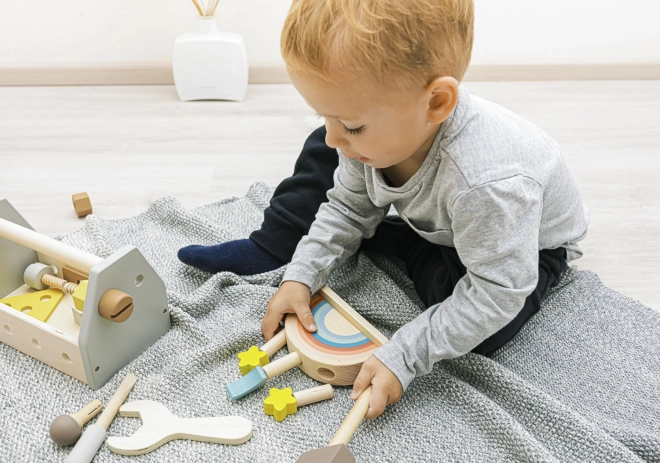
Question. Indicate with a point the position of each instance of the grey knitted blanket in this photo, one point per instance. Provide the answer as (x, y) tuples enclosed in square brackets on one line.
[(579, 383)]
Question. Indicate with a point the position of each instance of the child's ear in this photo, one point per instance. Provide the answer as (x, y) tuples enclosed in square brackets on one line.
[(443, 96)]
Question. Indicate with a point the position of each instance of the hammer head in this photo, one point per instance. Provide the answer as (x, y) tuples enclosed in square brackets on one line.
[(248, 383), (338, 453)]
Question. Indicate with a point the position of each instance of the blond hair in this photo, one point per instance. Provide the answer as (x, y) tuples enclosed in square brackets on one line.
[(402, 44)]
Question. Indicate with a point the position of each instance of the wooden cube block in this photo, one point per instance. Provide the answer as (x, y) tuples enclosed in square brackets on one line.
[(82, 204)]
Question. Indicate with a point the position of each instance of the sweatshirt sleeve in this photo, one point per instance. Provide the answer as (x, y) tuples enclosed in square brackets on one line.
[(496, 235), (339, 227)]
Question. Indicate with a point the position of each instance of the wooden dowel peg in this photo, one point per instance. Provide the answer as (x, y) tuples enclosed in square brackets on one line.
[(312, 395), (116, 400), (283, 364), (48, 246), (275, 344)]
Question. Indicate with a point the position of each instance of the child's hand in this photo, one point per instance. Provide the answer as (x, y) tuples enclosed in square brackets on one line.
[(386, 388), (292, 297)]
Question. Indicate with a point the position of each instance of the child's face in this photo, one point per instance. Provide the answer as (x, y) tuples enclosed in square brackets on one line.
[(380, 129)]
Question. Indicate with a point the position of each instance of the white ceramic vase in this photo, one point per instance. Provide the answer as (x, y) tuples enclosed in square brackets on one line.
[(209, 64)]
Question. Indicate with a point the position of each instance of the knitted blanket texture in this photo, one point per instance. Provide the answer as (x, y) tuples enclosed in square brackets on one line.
[(579, 383)]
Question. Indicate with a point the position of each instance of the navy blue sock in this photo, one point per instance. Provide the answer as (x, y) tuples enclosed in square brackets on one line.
[(243, 257)]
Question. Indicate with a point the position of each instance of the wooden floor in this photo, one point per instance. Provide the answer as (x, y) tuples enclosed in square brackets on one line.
[(127, 146)]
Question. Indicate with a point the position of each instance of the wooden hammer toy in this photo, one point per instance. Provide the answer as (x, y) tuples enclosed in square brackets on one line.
[(336, 451), (260, 375), (255, 356), (283, 402)]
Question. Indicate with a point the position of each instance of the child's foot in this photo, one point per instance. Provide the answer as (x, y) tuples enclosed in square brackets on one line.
[(243, 257)]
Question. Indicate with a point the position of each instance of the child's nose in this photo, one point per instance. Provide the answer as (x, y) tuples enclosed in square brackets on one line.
[(334, 138)]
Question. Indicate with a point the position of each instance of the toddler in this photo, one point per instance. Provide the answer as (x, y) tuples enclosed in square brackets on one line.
[(489, 213)]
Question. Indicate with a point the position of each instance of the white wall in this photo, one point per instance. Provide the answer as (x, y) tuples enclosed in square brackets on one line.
[(51, 32)]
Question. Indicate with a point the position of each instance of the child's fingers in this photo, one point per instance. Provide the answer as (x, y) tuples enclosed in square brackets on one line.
[(270, 323), (362, 381), (305, 315), (377, 403)]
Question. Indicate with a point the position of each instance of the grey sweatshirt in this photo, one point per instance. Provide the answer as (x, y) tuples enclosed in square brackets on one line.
[(495, 187)]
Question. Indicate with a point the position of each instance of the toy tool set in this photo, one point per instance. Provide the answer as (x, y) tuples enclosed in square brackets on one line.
[(89, 317), (90, 326)]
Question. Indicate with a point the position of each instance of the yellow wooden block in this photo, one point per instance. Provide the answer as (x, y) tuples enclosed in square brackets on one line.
[(251, 359), (280, 403), (39, 304), (79, 295)]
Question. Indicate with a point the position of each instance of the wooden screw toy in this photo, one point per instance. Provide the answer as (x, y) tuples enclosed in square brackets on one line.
[(283, 402), (255, 356), (114, 305), (67, 429), (336, 451), (41, 276), (92, 439), (82, 204), (161, 426)]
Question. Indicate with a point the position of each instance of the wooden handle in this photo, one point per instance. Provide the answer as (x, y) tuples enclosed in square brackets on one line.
[(48, 246), (116, 400), (275, 343), (88, 412), (279, 366), (315, 394), (353, 419), (352, 316)]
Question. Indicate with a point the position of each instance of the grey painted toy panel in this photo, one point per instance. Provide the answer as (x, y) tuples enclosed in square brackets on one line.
[(14, 258), (107, 345)]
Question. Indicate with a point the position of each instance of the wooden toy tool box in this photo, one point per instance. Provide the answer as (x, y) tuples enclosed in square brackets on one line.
[(94, 350)]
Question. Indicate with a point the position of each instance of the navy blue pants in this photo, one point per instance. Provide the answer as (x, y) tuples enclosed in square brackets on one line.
[(434, 269)]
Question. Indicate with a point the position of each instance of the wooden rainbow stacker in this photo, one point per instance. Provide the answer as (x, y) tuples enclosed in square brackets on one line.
[(90, 345), (333, 354)]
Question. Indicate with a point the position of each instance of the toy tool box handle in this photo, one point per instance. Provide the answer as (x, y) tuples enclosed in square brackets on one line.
[(76, 258)]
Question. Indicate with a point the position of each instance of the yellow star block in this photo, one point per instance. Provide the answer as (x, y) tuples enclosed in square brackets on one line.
[(280, 403), (251, 359)]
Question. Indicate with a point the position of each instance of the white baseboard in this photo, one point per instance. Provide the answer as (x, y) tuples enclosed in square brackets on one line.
[(161, 73)]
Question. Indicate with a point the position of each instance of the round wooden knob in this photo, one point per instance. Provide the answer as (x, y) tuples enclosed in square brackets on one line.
[(64, 430), (116, 306)]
